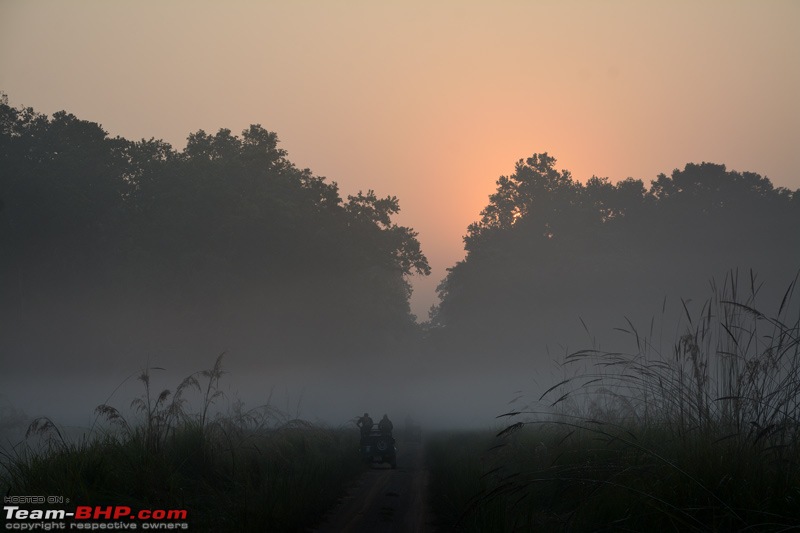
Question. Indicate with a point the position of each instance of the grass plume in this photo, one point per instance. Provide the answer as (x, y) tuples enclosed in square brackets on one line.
[(245, 470), (700, 436)]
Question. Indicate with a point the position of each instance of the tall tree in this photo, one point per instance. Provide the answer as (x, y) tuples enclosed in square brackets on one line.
[(548, 248), (222, 241)]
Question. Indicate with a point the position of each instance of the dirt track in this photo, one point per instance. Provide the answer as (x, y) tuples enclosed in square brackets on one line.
[(386, 500)]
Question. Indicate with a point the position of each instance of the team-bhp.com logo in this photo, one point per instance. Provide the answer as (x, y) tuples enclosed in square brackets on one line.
[(97, 517)]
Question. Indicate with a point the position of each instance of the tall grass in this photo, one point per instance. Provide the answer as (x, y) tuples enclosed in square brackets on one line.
[(702, 436), (458, 463), (245, 470)]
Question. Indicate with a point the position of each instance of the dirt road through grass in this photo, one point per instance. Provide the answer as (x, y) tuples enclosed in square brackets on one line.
[(386, 500)]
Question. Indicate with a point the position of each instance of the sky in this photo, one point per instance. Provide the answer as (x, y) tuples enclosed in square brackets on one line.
[(429, 101)]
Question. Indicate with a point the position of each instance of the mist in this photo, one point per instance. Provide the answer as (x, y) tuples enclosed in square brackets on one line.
[(128, 256)]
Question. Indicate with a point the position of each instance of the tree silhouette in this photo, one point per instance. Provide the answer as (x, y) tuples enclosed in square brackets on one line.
[(226, 235), (549, 248)]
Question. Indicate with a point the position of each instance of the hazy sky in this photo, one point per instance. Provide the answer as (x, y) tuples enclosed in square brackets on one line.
[(429, 101)]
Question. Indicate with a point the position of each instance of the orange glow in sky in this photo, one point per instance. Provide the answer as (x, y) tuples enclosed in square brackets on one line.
[(429, 101)]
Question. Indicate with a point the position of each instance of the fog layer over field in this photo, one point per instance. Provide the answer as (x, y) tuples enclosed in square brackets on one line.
[(120, 256)]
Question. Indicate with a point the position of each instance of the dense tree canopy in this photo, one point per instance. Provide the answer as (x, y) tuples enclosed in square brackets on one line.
[(114, 245), (549, 247), (227, 235)]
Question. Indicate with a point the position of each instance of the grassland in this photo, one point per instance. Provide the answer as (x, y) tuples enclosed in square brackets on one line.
[(247, 470), (699, 436), (702, 436)]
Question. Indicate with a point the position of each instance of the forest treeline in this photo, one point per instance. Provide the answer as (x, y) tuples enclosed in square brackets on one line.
[(549, 250), (112, 246)]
